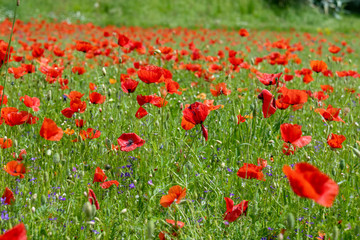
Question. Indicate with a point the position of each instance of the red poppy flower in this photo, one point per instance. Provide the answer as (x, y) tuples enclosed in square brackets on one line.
[(268, 79), (150, 73), (292, 96), (152, 99), (20, 156), (92, 86), (106, 185), (74, 95), (240, 119), (97, 98), (37, 52), (83, 46), (288, 149), (130, 141), (320, 96), (243, 32), (29, 68), (123, 40), (335, 140), (129, 85), (175, 194), (99, 175), (76, 105), (334, 49), (15, 168), (78, 70), (5, 143), (330, 114), (262, 162), (288, 78), (141, 112), (291, 133), (31, 102), (234, 212), (318, 66), (3, 99), (92, 199), (16, 233), (211, 106), (16, 118), (178, 223), (80, 122), (308, 78), (172, 87), (307, 181), (8, 196), (269, 106), (17, 72), (196, 113), (50, 131), (220, 89), (90, 133), (251, 171)]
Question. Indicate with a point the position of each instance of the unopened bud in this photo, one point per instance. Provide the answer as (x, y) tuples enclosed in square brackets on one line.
[(157, 52), (124, 210), (290, 221), (33, 209), (104, 71), (88, 210)]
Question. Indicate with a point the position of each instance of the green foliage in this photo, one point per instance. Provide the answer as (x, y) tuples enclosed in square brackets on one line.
[(186, 13)]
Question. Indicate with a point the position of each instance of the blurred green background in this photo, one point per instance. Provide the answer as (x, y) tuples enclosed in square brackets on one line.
[(306, 15)]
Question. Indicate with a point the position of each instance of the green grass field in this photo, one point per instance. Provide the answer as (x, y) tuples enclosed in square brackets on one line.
[(186, 13), (49, 199)]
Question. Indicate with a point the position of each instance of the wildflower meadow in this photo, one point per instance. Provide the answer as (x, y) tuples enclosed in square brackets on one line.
[(126, 132)]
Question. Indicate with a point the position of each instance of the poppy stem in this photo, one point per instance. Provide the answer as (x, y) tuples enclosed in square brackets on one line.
[(8, 55)]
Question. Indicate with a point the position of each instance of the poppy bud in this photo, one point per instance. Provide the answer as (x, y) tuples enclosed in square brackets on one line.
[(48, 152), (89, 210), (48, 96), (150, 229), (342, 164), (357, 230), (356, 152), (335, 233), (104, 71), (108, 143), (33, 209), (333, 171), (46, 177), (157, 51), (124, 210), (43, 200), (100, 110), (56, 158), (290, 221), (346, 111), (15, 143)]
